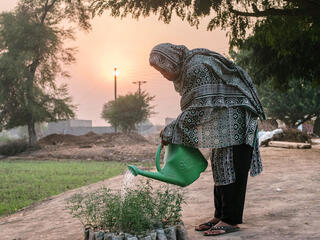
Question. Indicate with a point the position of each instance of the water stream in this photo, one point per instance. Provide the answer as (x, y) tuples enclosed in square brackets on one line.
[(127, 183)]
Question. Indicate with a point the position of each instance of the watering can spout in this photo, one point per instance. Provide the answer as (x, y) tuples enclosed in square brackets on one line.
[(183, 165), (134, 170), (155, 175)]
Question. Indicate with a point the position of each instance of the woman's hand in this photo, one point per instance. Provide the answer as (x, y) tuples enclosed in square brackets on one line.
[(163, 142)]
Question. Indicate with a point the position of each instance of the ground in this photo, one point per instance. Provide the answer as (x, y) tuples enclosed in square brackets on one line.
[(282, 203), (100, 147)]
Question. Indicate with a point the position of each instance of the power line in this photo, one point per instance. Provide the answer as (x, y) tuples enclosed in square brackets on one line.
[(139, 84)]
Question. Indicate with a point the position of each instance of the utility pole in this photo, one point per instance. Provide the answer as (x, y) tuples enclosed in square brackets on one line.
[(115, 73), (139, 84)]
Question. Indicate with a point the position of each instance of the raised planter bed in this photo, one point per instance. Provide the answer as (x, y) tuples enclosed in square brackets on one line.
[(136, 213), (177, 232)]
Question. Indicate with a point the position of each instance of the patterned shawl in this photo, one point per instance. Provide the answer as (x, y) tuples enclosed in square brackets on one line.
[(177, 59), (230, 73), (218, 100)]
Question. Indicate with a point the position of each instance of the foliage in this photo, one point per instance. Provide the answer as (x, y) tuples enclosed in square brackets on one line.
[(316, 128), (31, 58), (297, 104), (15, 147), (234, 15), (281, 49), (127, 111), (282, 58), (169, 205), (4, 138), (139, 210), (286, 34), (23, 182)]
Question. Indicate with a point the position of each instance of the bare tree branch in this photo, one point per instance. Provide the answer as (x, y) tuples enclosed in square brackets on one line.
[(47, 8)]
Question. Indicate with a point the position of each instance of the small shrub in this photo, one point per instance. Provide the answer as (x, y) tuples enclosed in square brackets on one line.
[(141, 209), (4, 139), (292, 135), (12, 148)]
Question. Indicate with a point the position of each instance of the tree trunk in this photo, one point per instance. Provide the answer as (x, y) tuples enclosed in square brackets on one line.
[(316, 127), (32, 133)]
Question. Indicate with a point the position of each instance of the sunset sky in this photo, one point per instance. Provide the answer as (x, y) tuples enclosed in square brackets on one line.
[(126, 44)]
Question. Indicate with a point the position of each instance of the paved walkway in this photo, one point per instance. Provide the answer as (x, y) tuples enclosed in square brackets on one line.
[(283, 204)]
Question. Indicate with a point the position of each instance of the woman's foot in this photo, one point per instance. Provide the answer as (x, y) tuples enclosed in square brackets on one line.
[(221, 228), (207, 225)]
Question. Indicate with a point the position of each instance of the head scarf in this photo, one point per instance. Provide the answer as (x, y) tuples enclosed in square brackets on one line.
[(168, 57)]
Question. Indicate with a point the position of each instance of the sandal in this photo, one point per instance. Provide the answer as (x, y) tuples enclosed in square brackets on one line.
[(205, 226), (226, 229)]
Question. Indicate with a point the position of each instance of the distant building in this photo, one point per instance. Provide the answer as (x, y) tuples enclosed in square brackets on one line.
[(22, 132), (147, 128), (75, 127)]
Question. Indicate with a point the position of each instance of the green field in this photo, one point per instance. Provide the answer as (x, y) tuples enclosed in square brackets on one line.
[(25, 182)]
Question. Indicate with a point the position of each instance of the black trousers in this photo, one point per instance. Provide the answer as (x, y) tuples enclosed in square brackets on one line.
[(229, 199)]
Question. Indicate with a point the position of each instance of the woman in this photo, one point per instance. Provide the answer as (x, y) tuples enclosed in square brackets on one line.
[(220, 108)]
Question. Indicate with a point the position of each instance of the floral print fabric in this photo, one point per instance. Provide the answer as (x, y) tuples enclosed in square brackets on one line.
[(222, 166), (219, 110)]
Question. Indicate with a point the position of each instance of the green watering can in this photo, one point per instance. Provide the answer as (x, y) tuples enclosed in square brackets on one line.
[(183, 165)]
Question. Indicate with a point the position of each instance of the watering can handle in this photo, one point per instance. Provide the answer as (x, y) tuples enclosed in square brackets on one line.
[(158, 158)]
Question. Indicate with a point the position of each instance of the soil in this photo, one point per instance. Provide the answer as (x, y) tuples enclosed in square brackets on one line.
[(91, 138), (282, 203), (116, 146), (99, 147)]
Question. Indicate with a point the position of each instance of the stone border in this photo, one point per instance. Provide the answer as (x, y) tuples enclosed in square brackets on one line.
[(177, 232)]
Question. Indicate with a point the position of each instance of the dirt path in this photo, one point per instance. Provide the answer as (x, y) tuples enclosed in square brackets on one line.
[(282, 203)]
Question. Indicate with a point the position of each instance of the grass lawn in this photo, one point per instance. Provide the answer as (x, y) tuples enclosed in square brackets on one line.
[(25, 182)]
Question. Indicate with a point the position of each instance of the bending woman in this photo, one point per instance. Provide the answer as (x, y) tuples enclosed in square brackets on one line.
[(220, 108)]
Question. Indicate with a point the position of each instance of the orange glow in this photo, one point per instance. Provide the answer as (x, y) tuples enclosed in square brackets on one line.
[(126, 44), (115, 72)]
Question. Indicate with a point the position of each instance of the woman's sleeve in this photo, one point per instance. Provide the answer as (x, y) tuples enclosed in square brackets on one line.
[(167, 133)]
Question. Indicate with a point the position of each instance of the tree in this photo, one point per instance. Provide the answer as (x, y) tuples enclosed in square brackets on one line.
[(281, 49), (285, 92), (298, 104), (281, 57), (127, 111), (316, 128), (289, 29), (235, 15), (31, 55)]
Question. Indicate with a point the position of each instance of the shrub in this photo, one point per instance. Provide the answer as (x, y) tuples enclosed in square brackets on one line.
[(4, 139), (141, 209), (15, 147), (128, 111), (292, 135)]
